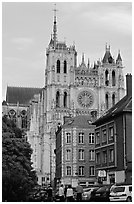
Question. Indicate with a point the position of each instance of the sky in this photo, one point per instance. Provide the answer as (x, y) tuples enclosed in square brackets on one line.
[(27, 28)]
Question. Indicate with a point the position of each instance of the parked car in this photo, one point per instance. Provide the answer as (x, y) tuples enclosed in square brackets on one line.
[(121, 193), (87, 193), (37, 196), (101, 194)]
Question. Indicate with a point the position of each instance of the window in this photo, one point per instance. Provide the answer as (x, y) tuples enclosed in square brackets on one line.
[(43, 179), (106, 101), (68, 170), (104, 136), (113, 78), (111, 133), (112, 178), (68, 154), (98, 158), (113, 99), (91, 138), (97, 138), (12, 115), (111, 155), (68, 138), (58, 66), (92, 171), (81, 170), (104, 157), (65, 67), (81, 138), (106, 78), (130, 188), (91, 155), (58, 99), (81, 154), (23, 119), (65, 100)]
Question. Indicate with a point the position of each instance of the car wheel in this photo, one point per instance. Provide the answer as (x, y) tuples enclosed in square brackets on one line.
[(129, 199)]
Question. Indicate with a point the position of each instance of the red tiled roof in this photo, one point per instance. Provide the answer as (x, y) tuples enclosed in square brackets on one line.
[(21, 95)]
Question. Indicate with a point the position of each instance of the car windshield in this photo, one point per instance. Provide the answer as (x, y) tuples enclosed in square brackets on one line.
[(101, 189), (118, 189), (86, 190)]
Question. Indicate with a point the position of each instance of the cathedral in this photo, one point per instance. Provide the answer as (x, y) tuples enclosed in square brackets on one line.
[(69, 90)]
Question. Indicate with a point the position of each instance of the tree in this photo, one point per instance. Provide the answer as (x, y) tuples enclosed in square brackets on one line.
[(18, 176)]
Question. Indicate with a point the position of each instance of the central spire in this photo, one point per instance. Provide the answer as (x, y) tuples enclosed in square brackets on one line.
[(55, 27)]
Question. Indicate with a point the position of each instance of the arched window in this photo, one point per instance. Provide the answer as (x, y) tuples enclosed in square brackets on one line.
[(113, 78), (23, 119), (65, 67), (58, 66), (65, 100), (12, 115), (106, 101), (58, 99), (113, 99), (106, 78)]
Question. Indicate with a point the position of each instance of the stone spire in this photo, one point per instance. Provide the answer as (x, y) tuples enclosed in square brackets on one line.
[(55, 27), (119, 59), (83, 59), (88, 63)]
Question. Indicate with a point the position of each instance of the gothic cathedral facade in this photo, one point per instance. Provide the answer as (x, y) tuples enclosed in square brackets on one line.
[(69, 90)]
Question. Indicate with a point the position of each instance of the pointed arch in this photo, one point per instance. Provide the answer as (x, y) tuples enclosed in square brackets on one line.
[(113, 78), (65, 100), (57, 99), (65, 67), (113, 99), (107, 100), (24, 119), (106, 78), (58, 66)]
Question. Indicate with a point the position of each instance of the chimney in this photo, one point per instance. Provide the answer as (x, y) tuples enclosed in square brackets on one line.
[(129, 84)]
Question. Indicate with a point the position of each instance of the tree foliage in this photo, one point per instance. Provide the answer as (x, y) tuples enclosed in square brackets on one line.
[(18, 176)]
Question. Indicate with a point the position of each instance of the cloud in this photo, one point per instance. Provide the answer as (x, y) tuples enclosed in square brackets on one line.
[(22, 42)]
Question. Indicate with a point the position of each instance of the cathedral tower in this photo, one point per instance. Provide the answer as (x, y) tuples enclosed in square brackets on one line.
[(111, 81), (59, 80)]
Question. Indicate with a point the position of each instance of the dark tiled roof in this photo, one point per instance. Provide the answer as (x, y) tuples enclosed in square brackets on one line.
[(124, 105), (21, 94), (81, 121), (107, 57)]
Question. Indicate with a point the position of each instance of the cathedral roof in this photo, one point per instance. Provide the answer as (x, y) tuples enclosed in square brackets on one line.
[(21, 95), (81, 121)]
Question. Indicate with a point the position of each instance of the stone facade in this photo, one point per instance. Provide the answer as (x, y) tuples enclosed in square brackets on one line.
[(69, 90)]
